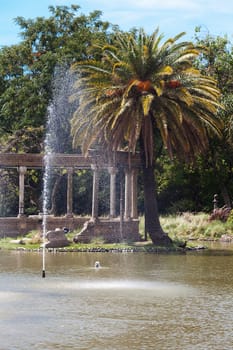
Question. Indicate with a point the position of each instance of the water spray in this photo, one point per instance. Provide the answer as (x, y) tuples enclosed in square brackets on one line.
[(43, 253), (56, 136), (43, 249)]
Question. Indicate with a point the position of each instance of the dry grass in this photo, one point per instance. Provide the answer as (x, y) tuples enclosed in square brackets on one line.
[(195, 226)]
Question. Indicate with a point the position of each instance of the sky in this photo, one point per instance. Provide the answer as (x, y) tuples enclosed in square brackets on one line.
[(170, 16)]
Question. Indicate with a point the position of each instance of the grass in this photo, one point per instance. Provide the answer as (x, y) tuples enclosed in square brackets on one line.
[(184, 227), (188, 226)]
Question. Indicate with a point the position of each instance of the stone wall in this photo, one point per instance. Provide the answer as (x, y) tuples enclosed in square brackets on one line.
[(110, 231), (17, 226)]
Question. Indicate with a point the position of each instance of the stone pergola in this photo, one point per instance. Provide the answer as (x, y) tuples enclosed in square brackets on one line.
[(71, 162)]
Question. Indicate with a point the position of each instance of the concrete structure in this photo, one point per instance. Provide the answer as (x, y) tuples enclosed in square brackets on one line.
[(123, 227)]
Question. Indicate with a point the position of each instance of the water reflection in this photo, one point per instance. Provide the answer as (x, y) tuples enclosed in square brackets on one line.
[(134, 301)]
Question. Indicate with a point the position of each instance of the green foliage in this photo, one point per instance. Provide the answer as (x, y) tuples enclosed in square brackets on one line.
[(82, 192), (28, 84), (175, 182), (217, 60), (230, 217), (21, 141), (27, 69), (8, 192)]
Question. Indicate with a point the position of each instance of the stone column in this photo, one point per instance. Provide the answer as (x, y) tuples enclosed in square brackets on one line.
[(69, 205), (127, 193), (121, 203), (22, 172), (95, 192), (134, 206), (112, 171)]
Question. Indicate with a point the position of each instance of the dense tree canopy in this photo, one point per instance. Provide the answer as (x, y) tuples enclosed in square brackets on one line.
[(33, 75), (217, 60), (27, 69)]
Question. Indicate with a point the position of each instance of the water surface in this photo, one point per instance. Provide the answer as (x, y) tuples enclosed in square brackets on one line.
[(134, 301)]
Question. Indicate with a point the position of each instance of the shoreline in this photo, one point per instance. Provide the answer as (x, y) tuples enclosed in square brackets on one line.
[(141, 248)]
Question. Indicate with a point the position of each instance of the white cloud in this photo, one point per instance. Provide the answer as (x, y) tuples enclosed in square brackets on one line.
[(135, 5), (194, 6), (165, 5)]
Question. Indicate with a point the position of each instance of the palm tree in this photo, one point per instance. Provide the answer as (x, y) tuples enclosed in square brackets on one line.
[(143, 90)]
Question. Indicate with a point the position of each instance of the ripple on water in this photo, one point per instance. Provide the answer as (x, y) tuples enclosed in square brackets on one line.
[(155, 287)]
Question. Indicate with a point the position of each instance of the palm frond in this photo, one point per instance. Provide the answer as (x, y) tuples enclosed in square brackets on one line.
[(140, 85)]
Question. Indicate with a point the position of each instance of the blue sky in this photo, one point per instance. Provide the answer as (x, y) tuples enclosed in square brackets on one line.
[(171, 16)]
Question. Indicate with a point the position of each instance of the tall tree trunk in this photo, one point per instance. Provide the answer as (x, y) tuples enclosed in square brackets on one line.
[(152, 223), (226, 196)]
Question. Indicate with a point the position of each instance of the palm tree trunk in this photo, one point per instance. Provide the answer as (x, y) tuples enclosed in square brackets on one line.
[(152, 223)]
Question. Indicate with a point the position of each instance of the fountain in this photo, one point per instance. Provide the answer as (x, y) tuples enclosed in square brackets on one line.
[(57, 140)]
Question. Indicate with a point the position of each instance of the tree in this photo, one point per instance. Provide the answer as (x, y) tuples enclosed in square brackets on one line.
[(27, 69), (29, 78), (141, 91), (217, 61)]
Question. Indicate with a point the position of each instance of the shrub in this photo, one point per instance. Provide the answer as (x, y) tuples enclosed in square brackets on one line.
[(180, 206), (221, 214)]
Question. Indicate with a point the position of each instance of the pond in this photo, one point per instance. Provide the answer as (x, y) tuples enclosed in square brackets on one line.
[(133, 301)]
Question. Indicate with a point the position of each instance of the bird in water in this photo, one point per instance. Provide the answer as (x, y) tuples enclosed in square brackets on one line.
[(97, 264)]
